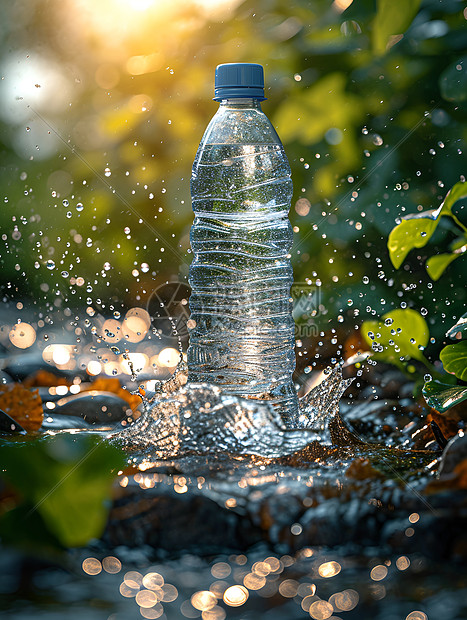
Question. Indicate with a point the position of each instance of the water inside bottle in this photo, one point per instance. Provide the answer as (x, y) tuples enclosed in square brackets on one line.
[(242, 331)]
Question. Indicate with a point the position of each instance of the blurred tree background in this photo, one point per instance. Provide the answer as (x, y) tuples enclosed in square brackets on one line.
[(103, 104)]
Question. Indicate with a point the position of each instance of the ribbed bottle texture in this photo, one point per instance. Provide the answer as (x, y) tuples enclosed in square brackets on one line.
[(242, 330)]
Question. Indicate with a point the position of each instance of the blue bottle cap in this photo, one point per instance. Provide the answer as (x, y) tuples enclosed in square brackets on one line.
[(239, 80)]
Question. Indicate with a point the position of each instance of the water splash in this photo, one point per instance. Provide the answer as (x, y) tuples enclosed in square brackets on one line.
[(193, 418)]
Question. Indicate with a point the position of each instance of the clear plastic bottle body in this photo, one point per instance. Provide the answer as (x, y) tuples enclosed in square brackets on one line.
[(242, 330)]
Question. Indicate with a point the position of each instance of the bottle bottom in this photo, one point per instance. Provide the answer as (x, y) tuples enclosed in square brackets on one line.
[(281, 395)]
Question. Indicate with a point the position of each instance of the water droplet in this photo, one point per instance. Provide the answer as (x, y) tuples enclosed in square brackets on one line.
[(389, 321), (107, 172), (377, 139), (28, 128), (427, 377), (50, 264), (79, 206), (65, 203), (365, 279)]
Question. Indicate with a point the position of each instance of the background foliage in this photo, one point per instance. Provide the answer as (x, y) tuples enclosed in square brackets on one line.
[(103, 105)]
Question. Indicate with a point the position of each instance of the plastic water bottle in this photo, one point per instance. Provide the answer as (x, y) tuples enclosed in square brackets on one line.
[(241, 325)]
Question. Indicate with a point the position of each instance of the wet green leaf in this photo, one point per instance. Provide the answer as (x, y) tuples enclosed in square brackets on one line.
[(454, 358), (410, 233), (392, 19), (457, 191), (398, 334), (459, 328), (65, 482), (436, 265), (416, 229), (442, 396)]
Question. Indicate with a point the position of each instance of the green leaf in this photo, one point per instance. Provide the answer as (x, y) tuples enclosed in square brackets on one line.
[(459, 328), (412, 232), (453, 81), (398, 334), (436, 265), (457, 191), (442, 396), (392, 19), (454, 358), (416, 229), (65, 482)]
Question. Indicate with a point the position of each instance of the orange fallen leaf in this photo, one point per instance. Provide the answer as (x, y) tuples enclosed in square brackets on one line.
[(44, 378), (112, 384), (24, 406)]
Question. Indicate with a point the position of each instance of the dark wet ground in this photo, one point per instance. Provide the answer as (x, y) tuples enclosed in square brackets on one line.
[(349, 531)]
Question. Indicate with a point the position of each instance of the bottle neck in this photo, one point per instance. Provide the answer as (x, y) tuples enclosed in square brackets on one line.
[(241, 103)]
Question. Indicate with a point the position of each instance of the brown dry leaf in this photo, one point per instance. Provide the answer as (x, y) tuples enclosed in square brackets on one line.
[(112, 384), (447, 425), (362, 469), (24, 406), (44, 378)]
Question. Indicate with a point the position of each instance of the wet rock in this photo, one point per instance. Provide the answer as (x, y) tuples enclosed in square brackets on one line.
[(455, 452), (173, 522), (8, 425), (93, 406), (5, 377)]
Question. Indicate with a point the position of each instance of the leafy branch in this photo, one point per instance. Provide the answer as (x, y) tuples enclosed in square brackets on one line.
[(416, 229), (402, 334)]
